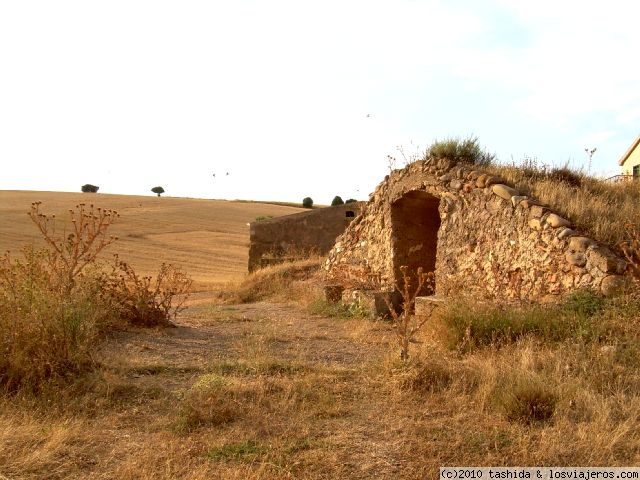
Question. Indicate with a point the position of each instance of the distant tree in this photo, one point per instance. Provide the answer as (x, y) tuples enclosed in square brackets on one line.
[(158, 190), (88, 188), (351, 200), (307, 202), (337, 200)]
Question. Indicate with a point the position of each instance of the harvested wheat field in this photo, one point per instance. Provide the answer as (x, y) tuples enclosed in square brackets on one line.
[(207, 238), (263, 379)]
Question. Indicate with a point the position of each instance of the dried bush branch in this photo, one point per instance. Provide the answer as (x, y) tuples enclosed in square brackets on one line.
[(144, 301), (406, 323), (80, 247)]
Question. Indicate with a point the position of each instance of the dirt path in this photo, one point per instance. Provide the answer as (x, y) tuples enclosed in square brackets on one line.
[(207, 332), (313, 379), (252, 391)]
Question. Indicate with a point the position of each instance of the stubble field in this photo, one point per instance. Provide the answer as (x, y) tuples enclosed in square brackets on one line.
[(207, 238)]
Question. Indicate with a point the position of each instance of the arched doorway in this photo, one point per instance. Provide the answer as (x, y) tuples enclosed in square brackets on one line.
[(415, 221)]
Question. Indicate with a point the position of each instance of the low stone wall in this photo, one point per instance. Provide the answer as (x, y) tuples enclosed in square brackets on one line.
[(315, 230), (487, 239)]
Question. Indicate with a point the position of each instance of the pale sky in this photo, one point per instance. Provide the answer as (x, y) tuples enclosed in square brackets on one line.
[(300, 98)]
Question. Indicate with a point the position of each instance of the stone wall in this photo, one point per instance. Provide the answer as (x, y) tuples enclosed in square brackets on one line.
[(477, 234), (314, 230)]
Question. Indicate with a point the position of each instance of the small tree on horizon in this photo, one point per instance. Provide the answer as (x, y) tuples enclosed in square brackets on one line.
[(351, 200), (88, 188), (158, 190), (307, 202), (337, 200)]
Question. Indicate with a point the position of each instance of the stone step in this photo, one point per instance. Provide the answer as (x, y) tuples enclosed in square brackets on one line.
[(424, 306)]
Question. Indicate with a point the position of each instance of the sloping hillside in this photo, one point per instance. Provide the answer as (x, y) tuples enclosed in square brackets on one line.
[(208, 238)]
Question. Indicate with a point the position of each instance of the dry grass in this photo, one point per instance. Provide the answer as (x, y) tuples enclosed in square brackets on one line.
[(267, 391), (207, 238), (283, 282), (597, 208)]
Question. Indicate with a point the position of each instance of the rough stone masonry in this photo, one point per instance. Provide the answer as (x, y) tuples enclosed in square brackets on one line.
[(478, 235)]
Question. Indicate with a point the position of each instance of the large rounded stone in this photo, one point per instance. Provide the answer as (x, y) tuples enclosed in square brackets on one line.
[(480, 181), (535, 224), (580, 244), (565, 233), (493, 180), (556, 221), (455, 185), (504, 191)]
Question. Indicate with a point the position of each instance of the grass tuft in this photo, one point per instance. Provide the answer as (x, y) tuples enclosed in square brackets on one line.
[(526, 399), (209, 402), (465, 150)]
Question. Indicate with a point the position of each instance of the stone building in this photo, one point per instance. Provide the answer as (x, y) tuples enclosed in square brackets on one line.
[(478, 235), (312, 231)]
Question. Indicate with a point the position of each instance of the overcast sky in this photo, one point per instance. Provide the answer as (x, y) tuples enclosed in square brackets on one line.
[(300, 98)]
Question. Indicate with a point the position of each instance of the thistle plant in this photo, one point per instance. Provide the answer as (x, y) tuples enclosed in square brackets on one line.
[(55, 301), (406, 323), (74, 249)]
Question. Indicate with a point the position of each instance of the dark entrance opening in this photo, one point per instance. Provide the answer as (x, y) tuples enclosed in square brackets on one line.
[(349, 214), (415, 221)]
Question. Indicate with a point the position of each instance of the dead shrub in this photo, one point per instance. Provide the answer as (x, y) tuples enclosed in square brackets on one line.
[(406, 323), (71, 252), (47, 330), (55, 301), (143, 300), (51, 307)]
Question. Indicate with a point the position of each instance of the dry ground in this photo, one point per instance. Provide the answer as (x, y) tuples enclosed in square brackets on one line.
[(207, 238), (295, 406), (267, 390)]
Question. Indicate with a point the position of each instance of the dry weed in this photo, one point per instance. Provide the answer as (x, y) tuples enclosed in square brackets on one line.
[(598, 208), (54, 302)]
